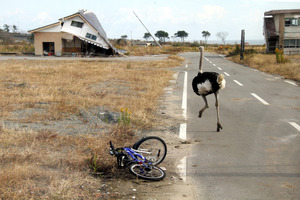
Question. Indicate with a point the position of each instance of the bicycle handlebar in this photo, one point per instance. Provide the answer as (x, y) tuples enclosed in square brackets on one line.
[(112, 148)]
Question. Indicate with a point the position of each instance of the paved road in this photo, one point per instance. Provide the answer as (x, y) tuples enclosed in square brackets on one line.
[(257, 154)]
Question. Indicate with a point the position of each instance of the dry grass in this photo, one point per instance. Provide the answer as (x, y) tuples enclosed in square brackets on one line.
[(267, 63), (155, 50), (71, 85), (45, 165), (22, 47)]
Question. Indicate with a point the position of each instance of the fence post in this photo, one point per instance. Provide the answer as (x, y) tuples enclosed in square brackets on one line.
[(242, 45)]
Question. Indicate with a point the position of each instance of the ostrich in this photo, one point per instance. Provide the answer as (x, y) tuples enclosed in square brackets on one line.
[(206, 83)]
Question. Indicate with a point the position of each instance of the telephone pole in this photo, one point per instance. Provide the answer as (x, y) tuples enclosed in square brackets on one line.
[(147, 29)]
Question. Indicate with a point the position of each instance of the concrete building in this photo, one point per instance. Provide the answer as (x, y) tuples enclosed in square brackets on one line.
[(282, 31), (79, 34)]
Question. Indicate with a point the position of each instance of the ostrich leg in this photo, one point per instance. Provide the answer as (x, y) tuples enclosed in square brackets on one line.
[(219, 126), (206, 106)]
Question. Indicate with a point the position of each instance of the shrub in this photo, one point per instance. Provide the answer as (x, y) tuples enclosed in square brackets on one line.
[(279, 56)]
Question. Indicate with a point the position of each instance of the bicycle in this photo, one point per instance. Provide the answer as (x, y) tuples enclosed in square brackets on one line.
[(142, 158)]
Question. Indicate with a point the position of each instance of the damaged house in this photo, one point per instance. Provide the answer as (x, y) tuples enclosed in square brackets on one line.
[(77, 34), (282, 31)]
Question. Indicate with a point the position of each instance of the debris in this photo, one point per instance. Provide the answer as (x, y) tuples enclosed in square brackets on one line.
[(185, 142)]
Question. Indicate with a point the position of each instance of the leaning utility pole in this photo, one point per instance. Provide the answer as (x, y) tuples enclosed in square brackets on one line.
[(147, 29)]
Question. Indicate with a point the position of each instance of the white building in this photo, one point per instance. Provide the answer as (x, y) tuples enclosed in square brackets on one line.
[(78, 34), (282, 31)]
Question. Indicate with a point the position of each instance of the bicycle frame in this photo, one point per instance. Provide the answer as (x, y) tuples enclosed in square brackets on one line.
[(138, 161), (133, 154)]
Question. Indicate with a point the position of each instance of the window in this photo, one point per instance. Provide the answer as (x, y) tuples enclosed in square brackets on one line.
[(91, 36), (292, 43), (77, 24), (291, 22), (88, 35), (286, 43)]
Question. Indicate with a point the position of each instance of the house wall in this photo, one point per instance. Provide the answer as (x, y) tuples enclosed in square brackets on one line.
[(82, 31), (286, 32), (40, 37), (292, 32)]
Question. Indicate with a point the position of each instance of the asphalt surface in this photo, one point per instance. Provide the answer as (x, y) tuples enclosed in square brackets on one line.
[(257, 154)]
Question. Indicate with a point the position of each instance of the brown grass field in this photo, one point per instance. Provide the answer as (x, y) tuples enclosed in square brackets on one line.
[(42, 164), (267, 63)]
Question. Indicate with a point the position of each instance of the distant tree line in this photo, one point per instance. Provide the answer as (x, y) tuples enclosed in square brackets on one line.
[(8, 32), (10, 28), (163, 35)]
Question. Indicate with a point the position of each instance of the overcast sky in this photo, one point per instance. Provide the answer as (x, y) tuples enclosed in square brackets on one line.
[(117, 18)]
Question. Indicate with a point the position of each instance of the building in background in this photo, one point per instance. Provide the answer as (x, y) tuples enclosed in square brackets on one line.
[(77, 34), (282, 31)]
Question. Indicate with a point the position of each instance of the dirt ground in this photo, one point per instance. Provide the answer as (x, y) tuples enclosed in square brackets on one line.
[(174, 186)]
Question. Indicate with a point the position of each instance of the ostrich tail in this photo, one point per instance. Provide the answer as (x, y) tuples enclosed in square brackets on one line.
[(221, 81), (220, 78)]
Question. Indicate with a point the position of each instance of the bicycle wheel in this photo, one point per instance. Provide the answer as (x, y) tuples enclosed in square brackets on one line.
[(152, 148), (154, 174)]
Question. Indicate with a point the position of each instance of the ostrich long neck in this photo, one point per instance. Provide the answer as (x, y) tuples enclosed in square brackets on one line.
[(201, 58)]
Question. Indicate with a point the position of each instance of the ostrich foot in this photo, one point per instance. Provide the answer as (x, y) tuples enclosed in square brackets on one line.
[(201, 111), (219, 126), (200, 114)]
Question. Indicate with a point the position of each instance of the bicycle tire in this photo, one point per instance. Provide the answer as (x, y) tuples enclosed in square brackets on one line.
[(155, 145), (139, 170)]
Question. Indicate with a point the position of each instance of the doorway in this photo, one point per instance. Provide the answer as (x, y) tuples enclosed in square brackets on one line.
[(48, 49)]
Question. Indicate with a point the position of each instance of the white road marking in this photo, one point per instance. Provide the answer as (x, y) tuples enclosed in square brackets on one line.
[(226, 74), (288, 139), (206, 59), (182, 131), (238, 83), (210, 62), (290, 82), (214, 65), (260, 99), (186, 66), (184, 95), (182, 169), (295, 125), (222, 56), (219, 68)]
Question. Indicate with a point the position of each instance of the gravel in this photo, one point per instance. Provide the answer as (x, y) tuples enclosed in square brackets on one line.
[(89, 121)]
